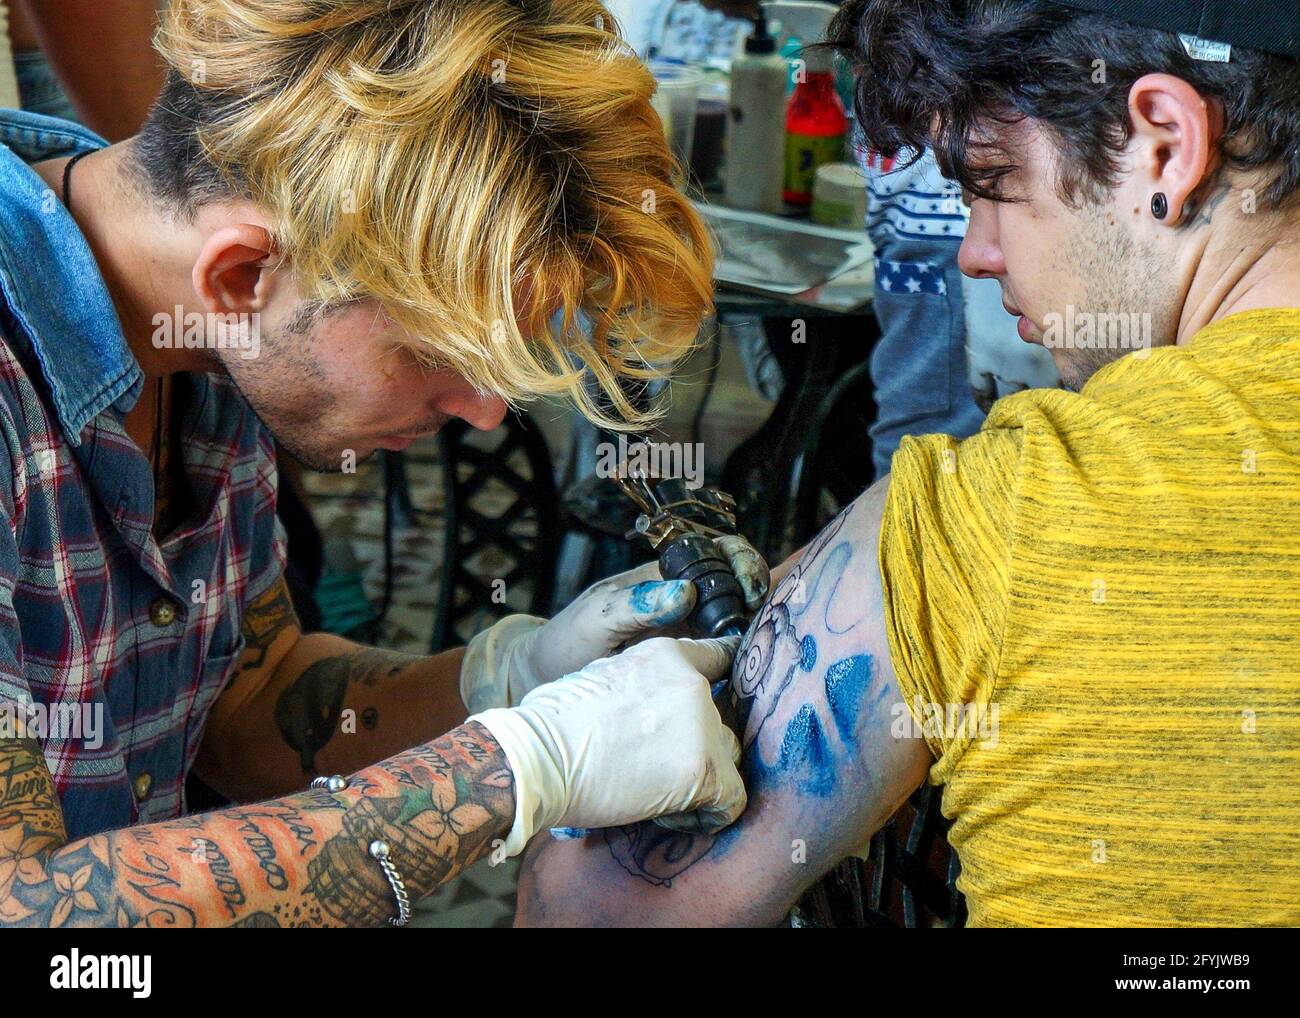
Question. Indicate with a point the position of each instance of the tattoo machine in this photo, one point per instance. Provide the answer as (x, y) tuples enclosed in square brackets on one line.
[(680, 523)]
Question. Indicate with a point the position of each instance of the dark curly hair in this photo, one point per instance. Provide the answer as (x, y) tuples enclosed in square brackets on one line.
[(959, 63)]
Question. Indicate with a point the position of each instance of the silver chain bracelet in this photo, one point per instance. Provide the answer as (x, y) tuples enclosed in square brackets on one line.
[(379, 851)]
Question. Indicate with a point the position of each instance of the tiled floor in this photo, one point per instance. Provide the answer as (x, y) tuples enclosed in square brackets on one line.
[(349, 507)]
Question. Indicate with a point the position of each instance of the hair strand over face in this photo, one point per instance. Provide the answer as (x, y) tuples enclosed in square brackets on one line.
[(474, 166)]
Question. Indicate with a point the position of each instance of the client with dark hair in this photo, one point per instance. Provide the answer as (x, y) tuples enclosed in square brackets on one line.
[(1081, 621)]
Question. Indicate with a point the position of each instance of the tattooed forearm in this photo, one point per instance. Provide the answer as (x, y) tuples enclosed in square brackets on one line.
[(327, 706), (31, 824), (309, 711), (298, 861), (27, 794), (221, 873)]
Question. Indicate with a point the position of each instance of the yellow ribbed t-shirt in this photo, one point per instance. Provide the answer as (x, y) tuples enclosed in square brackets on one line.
[(1110, 580)]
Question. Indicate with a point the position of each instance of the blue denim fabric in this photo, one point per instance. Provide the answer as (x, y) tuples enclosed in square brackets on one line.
[(84, 577), (44, 259), (39, 88), (916, 222)]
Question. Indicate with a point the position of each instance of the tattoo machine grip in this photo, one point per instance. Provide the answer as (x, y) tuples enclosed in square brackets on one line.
[(720, 603)]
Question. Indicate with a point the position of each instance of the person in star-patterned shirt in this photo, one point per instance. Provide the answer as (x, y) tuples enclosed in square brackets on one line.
[(947, 347)]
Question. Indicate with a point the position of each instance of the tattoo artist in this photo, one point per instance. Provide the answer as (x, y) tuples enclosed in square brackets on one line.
[(145, 626)]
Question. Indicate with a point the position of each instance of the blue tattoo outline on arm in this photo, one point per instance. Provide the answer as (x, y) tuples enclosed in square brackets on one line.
[(658, 855)]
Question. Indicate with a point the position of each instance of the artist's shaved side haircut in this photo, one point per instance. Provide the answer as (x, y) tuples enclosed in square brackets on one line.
[(475, 166)]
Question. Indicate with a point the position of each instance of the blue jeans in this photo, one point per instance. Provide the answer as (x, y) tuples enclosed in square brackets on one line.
[(916, 222), (39, 89), (919, 365)]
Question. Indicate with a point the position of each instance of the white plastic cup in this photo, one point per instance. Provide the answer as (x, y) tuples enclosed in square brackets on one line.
[(840, 196), (674, 100)]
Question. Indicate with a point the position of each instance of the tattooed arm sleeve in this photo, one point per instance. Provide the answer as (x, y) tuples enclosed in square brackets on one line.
[(814, 697), (297, 861), (302, 705)]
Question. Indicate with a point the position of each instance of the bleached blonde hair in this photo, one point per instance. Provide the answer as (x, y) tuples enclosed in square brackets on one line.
[(471, 165)]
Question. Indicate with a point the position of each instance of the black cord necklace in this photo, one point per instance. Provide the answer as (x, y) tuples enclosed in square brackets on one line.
[(155, 443)]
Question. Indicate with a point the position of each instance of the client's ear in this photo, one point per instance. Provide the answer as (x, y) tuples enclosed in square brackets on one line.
[(1173, 142)]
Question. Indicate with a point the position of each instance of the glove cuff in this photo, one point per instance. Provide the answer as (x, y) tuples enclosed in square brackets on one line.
[(487, 672), (539, 786)]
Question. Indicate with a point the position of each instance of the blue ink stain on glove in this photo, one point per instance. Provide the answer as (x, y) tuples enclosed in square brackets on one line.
[(846, 685), (664, 601), (807, 653)]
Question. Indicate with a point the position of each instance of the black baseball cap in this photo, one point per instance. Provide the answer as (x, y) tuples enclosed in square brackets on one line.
[(1271, 26)]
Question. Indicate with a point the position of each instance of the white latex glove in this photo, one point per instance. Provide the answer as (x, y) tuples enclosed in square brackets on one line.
[(627, 738), (506, 661)]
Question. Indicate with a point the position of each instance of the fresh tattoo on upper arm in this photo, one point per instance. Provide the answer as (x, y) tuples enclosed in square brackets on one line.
[(800, 736)]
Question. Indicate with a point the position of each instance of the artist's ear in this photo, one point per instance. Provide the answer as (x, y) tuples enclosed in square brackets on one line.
[(1175, 132), (232, 274)]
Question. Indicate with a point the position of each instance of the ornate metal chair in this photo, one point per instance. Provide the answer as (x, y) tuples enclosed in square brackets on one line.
[(503, 526)]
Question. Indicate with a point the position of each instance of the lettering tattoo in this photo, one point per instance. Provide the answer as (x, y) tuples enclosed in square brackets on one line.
[(26, 791), (265, 620), (31, 824), (297, 861), (222, 873)]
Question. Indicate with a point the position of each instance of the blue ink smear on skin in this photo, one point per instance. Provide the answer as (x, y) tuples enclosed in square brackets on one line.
[(846, 686), (804, 757), (805, 746), (723, 841), (807, 653)]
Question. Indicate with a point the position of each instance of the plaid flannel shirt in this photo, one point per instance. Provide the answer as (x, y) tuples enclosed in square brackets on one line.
[(113, 646)]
